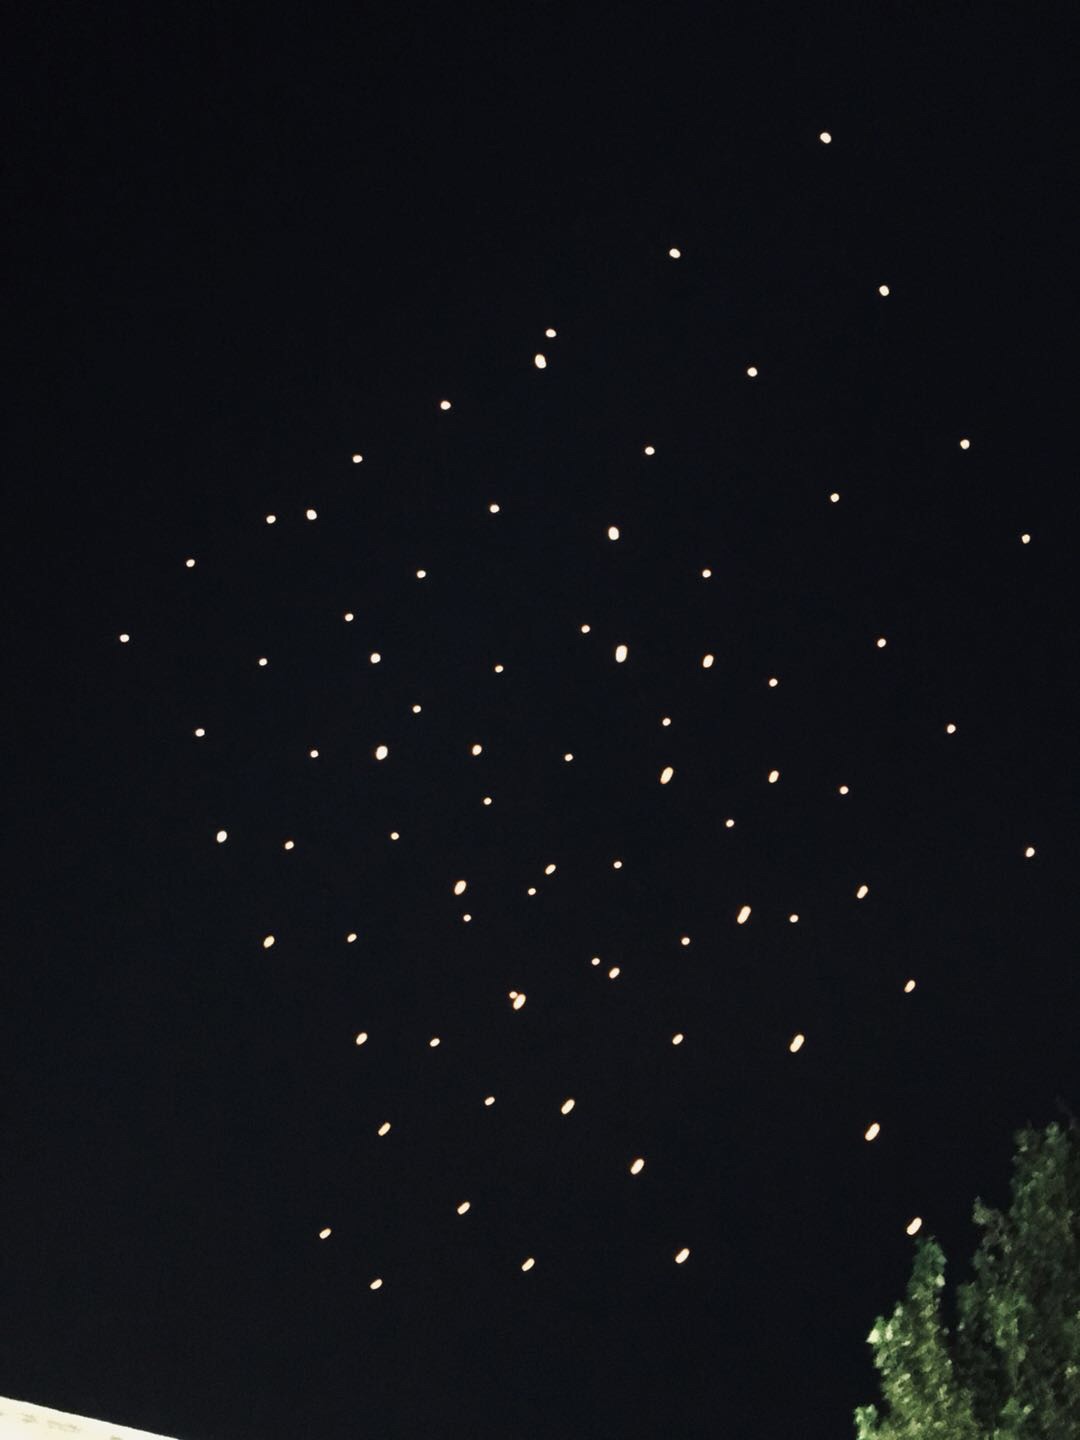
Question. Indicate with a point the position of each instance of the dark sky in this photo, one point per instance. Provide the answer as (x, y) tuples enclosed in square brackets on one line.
[(248, 247)]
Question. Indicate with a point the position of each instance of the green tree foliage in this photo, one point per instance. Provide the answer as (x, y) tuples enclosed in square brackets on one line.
[(1011, 1368)]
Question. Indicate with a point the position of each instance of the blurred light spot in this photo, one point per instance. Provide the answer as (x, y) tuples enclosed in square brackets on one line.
[(793, 919), (375, 657), (596, 960), (666, 774), (350, 939), (835, 496), (271, 519), (684, 940), (421, 574), (883, 290), (873, 1132), (797, 1043), (494, 508), (375, 1285), (862, 892), (707, 662), (200, 732), (124, 639), (356, 459), (743, 915), (349, 616), (678, 1038), (550, 333), (752, 371), (434, 1042), (489, 1100), (324, 1234), (381, 752), (774, 775), (650, 449), (773, 682), (311, 514), (617, 864), (476, 750), (825, 138), (613, 973), (1029, 852), (914, 1226), (463, 1208), (681, 1256), (444, 404), (539, 362), (843, 789), (267, 942), (729, 824), (486, 800), (519, 1001), (613, 532), (881, 642), (416, 709), (460, 887), (950, 729), (637, 1167), (361, 1039), (314, 754), (965, 444), (675, 254), (1025, 539), (384, 1128), (621, 652), (666, 720), (528, 1265), (290, 845), (909, 986), (395, 835), (585, 629), (190, 564), (221, 836), (568, 756), (498, 669), (567, 1106)]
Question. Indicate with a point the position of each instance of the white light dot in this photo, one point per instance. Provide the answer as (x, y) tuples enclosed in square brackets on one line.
[(444, 404), (568, 757), (613, 973), (567, 1106), (773, 682), (528, 1264), (394, 835), (751, 370), (743, 915), (706, 574), (549, 869), (356, 459), (862, 892), (914, 1226), (350, 939), (416, 709), (650, 449), (965, 444), (684, 939), (682, 1255), (325, 1233), (376, 1284), (729, 824), (883, 290), (477, 750), (950, 729), (222, 836), (199, 733), (675, 254), (637, 1166), (268, 940), (678, 1038), (825, 138), (881, 642), (707, 662), (621, 652), (843, 789), (460, 887), (873, 1132), (774, 776), (616, 864), (793, 919), (494, 508), (797, 1043), (489, 1100), (190, 564), (384, 1128), (271, 519), (835, 496), (1025, 539), (519, 1001), (361, 1039), (311, 514), (263, 660), (375, 657), (666, 774), (314, 754), (1029, 852), (613, 532), (486, 800), (585, 629), (540, 362), (434, 1043), (463, 1208), (381, 752), (665, 720), (531, 890), (498, 669), (124, 639), (421, 574), (349, 617), (595, 960), (909, 985), (549, 333)]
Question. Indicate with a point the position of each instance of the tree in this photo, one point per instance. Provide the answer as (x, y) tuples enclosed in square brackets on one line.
[(1011, 1370)]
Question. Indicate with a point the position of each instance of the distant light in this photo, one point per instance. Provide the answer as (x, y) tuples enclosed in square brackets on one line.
[(444, 404), (650, 449), (311, 514), (881, 642), (950, 729), (743, 915), (613, 973), (268, 940), (531, 890), (489, 1100), (621, 652), (519, 1001), (550, 334), (434, 1043), (376, 1284), (1029, 852), (707, 662), (675, 254), (381, 752), (566, 1106), (325, 1233), (637, 1167), (684, 939), (913, 1226), (199, 732), (616, 864), (314, 754), (222, 836), (271, 519), (678, 1038), (751, 370), (486, 800), (873, 1132), (666, 774), (498, 669), (862, 892), (793, 919), (356, 459), (463, 1208), (706, 574), (843, 789), (124, 639), (729, 824), (613, 532), (965, 444), (681, 1256), (361, 1039), (666, 720), (349, 617), (395, 835), (595, 960), (825, 138), (421, 574), (909, 986), (797, 1043), (1025, 539), (835, 496), (549, 869), (476, 750), (190, 564), (384, 1128), (540, 362), (773, 682), (528, 1265), (263, 660), (774, 776), (375, 657), (290, 845), (883, 290), (585, 629), (568, 757), (416, 709), (460, 887), (494, 508), (350, 939)]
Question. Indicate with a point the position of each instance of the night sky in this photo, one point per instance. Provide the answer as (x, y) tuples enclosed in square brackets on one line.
[(249, 249)]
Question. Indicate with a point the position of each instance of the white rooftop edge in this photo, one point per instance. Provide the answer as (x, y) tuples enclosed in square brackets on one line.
[(37, 1422)]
